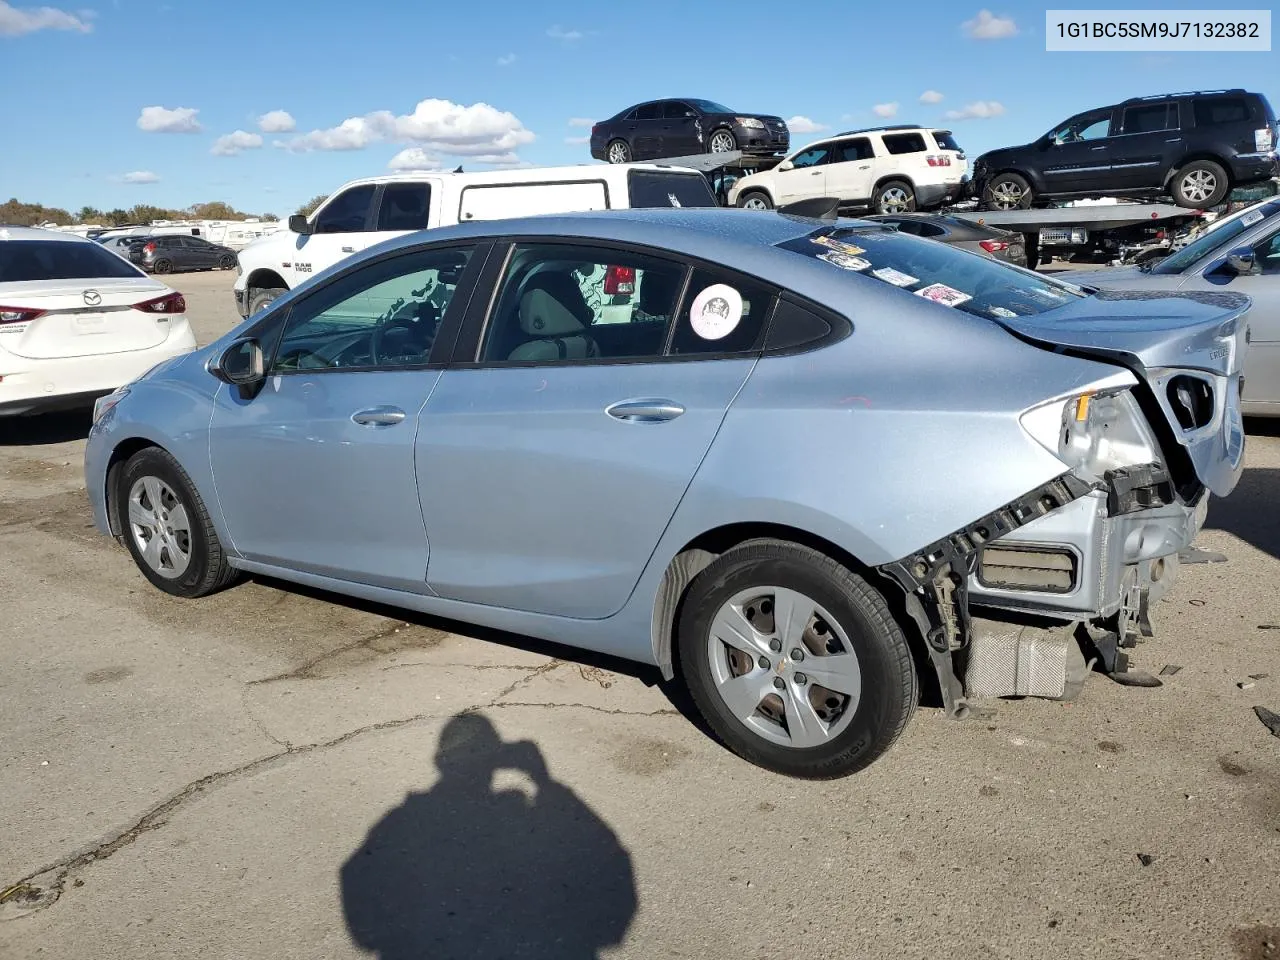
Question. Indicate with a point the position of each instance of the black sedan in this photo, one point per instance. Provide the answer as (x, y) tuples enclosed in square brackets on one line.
[(172, 252), (984, 240), (680, 128)]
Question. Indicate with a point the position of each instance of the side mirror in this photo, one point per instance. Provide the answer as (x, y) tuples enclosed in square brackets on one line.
[(786, 165), (1240, 261), (299, 224), (241, 364)]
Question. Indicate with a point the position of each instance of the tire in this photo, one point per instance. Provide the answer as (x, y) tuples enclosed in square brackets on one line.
[(722, 141), (894, 196), (154, 496), (860, 723), (265, 297), (755, 200), (1007, 191), (228, 262), (1199, 185), (162, 266), (618, 151)]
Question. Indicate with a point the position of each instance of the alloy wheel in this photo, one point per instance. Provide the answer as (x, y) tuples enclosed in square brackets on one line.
[(722, 142), (160, 527), (784, 667), (754, 203), (1006, 195), (895, 200), (618, 152), (1198, 185)]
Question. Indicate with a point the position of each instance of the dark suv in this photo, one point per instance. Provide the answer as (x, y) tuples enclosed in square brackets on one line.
[(679, 128), (1196, 147)]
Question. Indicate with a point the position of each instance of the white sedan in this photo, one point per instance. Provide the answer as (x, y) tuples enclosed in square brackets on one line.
[(77, 321)]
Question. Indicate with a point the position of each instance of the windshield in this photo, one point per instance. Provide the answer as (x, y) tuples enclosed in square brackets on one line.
[(937, 272), (24, 260), (1211, 240), (710, 106)]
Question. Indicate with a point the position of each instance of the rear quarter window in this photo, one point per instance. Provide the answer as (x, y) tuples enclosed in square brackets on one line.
[(651, 189), (900, 143), (946, 141), (1211, 111)]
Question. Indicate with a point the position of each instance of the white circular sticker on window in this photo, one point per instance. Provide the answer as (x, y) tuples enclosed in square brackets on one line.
[(716, 311)]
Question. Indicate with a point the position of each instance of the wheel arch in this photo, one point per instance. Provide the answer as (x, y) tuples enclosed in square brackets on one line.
[(1037, 186), (890, 178), (264, 278), (120, 455), (757, 188), (1192, 158)]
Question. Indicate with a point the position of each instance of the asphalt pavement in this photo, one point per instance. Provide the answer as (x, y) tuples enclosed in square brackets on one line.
[(271, 772)]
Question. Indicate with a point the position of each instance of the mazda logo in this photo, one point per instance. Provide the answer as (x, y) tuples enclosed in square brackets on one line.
[(92, 298)]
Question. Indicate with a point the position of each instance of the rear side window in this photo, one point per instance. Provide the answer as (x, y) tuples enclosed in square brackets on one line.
[(722, 313), (899, 143), (650, 189), (1149, 118), (936, 272), (348, 212), (1215, 110), (404, 206), (946, 141), (859, 149), (25, 260)]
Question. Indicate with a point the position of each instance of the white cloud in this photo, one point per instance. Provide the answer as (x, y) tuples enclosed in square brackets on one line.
[(414, 158), (931, 96), (277, 121), (507, 60), (140, 176), (231, 144), (581, 122), (577, 141), (16, 21), (978, 110), (439, 126), (560, 33), (885, 110), (987, 26), (500, 159), (799, 124), (164, 120)]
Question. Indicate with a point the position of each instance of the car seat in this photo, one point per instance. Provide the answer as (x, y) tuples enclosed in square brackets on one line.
[(554, 312)]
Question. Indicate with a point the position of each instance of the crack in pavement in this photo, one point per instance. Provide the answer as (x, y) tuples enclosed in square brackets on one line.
[(310, 669), (40, 896)]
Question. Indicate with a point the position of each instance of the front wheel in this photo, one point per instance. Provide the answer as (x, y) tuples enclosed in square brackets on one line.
[(263, 298), (755, 200), (722, 141), (794, 661), (1199, 185), (896, 196), (167, 528), (1008, 191)]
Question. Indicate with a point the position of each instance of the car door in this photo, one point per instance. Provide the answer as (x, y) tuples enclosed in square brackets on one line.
[(203, 253), (646, 132), (315, 472), (341, 227), (805, 175), (1079, 154), (679, 130), (1147, 145), (555, 450), (851, 173)]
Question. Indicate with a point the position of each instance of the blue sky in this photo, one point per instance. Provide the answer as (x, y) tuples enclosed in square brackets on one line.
[(387, 80)]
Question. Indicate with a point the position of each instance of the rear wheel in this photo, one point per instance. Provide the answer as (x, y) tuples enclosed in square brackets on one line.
[(264, 297), (162, 266), (1200, 184), (896, 196), (167, 528), (722, 141), (794, 661), (228, 262), (619, 151), (1008, 191), (755, 200)]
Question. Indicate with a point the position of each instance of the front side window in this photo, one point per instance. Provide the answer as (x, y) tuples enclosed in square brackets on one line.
[(348, 212), (1267, 254), (564, 302), (710, 106), (25, 260), (385, 315), (404, 206), (675, 110), (1208, 242), (1150, 119), (900, 143), (814, 156), (1087, 126)]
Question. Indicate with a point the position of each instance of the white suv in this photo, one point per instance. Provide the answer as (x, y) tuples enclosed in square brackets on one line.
[(890, 169), (364, 212)]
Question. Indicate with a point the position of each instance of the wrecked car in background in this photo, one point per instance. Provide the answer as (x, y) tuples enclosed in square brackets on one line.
[(812, 455)]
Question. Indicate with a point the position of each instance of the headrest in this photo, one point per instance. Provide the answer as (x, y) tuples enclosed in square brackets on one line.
[(542, 315)]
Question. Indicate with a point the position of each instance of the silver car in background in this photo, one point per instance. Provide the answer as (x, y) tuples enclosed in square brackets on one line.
[(793, 461)]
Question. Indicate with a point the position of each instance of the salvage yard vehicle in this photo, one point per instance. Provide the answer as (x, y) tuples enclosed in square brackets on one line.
[(365, 212), (675, 128), (744, 483), (1239, 255), (1195, 147), (165, 253), (964, 234), (77, 321), (893, 169)]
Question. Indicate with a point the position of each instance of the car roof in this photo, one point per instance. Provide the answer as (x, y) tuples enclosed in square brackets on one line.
[(577, 171), (38, 233), (892, 128)]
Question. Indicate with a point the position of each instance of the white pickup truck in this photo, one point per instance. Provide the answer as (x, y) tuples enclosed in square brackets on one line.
[(365, 212)]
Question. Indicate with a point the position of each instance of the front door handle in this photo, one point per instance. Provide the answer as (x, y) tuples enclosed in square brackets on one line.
[(645, 411), (1174, 140), (1097, 148), (817, 173), (348, 249), (384, 415)]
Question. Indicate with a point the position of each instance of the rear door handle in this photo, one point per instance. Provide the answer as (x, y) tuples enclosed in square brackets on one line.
[(817, 173), (1174, 140), (645, 411), (1098, 148), (383, 415)]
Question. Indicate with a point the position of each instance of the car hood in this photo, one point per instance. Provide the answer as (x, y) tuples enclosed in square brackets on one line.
[(1106, 278), (1161, 337)]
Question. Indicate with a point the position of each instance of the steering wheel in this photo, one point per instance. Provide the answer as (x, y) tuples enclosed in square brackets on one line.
[(426, 318)]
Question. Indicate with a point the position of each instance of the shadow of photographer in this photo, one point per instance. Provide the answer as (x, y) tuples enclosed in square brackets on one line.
[(469, 870)]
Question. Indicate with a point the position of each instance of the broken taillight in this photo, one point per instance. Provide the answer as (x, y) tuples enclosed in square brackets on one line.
[(18, 314), (619, 281), (993, 246), (169, 303)]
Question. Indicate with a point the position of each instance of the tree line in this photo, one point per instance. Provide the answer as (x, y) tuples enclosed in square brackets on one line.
[(16, 213)]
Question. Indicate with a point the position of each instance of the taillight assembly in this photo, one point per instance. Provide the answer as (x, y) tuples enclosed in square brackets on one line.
[(169, 303), (18, 314), (149, 248), (619, 281), (993, 246), (1263, 140), (938, 160)]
